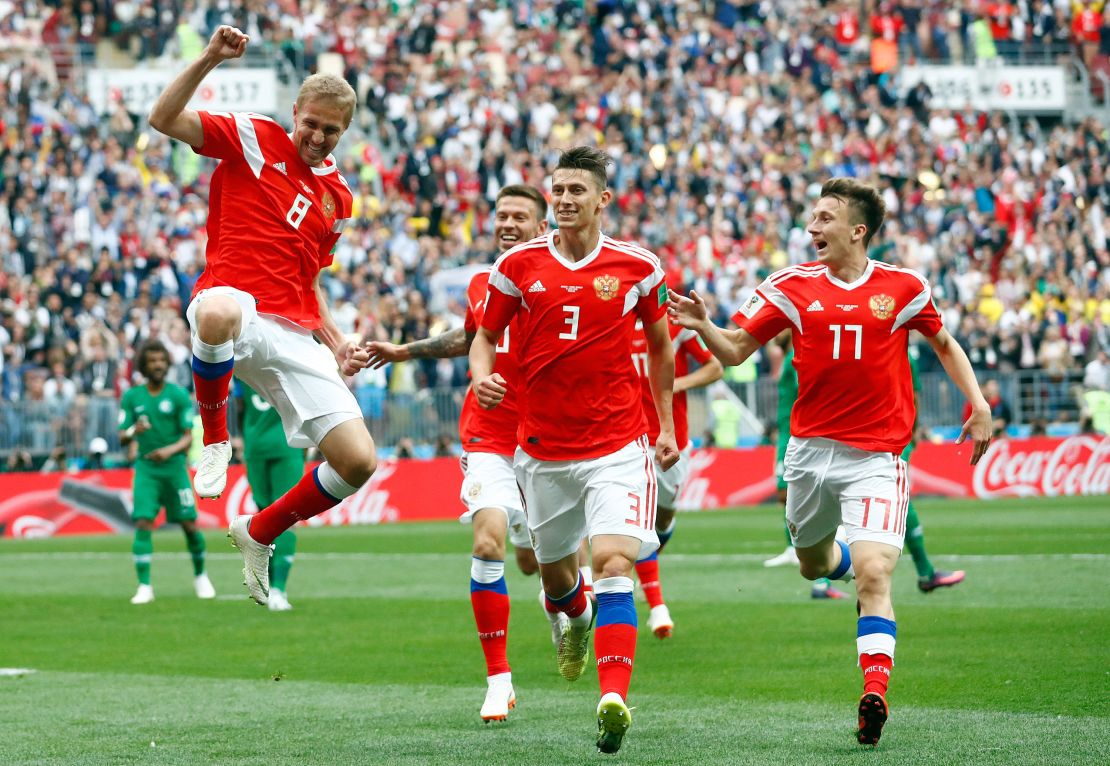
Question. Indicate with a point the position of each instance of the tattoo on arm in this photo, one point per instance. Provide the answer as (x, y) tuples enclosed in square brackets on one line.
[(444, 346)]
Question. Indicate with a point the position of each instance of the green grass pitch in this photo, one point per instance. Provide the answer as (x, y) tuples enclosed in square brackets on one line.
[(379, 662)]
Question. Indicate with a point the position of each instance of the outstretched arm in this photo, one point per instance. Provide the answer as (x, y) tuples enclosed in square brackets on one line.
[(443, 346), (710, 372), (956, 364), (730, 346), (169, 115)]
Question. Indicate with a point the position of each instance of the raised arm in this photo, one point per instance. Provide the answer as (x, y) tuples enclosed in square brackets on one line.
[(956, 364), (730, 346), (169, 115)]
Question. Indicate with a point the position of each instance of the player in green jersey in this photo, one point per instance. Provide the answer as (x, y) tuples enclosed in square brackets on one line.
[(788, 392), (158, 416), (273, 468)]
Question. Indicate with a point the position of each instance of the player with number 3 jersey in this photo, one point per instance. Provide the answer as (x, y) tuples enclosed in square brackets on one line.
[(850, 318), (583, 463)]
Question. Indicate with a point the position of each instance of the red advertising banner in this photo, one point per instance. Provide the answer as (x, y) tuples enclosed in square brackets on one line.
[(43, 505)]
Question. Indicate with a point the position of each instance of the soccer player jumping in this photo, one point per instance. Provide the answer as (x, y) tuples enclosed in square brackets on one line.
[(851, 318), (277, 206), (583, 463)]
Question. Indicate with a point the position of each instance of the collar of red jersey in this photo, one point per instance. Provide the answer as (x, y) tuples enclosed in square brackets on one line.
[(852, 285), (574, 265)]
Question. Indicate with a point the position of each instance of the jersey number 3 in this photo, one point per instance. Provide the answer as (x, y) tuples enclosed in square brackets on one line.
[(299, 210)]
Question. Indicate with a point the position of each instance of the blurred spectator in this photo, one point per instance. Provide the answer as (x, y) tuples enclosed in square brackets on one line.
[(1096, 375), (722, 119)]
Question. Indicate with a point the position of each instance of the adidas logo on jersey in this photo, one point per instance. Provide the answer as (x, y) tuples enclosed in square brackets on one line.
[(537, 287), (815, 306), (280, 167)]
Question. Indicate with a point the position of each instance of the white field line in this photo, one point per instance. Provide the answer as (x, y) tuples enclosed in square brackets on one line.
[(707, 558)]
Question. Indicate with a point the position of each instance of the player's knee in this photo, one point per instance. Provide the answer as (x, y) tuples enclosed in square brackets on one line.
[(358, 471), (488, 547), (526, 561), (218, 319), (615, 565)]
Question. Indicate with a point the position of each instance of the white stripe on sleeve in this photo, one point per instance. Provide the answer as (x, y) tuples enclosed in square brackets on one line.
[(252, 151)]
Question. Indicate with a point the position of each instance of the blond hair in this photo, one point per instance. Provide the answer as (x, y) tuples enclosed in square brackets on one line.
[(328, 87)]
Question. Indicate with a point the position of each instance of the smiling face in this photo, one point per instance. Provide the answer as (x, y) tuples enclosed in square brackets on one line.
[(834, 234), (317, 127), (577, 199), (516, 220)]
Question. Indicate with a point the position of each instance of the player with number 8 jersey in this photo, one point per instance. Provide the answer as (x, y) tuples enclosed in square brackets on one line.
[(277, 206)]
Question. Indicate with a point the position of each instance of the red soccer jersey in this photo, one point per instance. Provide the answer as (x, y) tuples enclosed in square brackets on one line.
[(850, 348), (686, 344), (492, 430), (273, 220), (582, 391)]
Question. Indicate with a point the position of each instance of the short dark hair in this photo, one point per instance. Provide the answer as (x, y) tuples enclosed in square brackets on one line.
[(593, 161), (152, 346), (864, 203), (528, 192)]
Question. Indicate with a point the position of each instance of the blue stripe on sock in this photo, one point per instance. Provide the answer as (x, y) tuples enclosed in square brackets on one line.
[(212, 370), (845, 561), (564, 600), (615, 609), (497, 586), (319, 486), (867, 626), (653, 557)]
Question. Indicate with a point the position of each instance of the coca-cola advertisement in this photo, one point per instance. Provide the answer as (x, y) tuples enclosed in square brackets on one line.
[(44, 505)]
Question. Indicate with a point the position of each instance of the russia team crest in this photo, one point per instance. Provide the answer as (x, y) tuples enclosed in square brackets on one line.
[(606, 287), (329, 205), (882, 306)]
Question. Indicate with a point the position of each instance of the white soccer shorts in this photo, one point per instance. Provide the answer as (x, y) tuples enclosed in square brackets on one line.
[(672, 481), (829, 483), (489, 482), (566, 500), (289, 369)]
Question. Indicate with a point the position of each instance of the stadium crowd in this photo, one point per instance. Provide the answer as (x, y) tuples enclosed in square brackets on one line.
[(722, 119)]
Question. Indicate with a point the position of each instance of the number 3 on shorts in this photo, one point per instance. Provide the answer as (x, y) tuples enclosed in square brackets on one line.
[(634, 520)]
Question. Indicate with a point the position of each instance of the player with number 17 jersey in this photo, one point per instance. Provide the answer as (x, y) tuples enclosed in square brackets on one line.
[(847, 337), (273, 219), (576, 372)]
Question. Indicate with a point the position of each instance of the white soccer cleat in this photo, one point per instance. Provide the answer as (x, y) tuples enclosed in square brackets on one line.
[(788, 557), (500, 698), (256, 559), (277, 601), (212, 470), (660, 621), (203, 586), (144, 595)]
